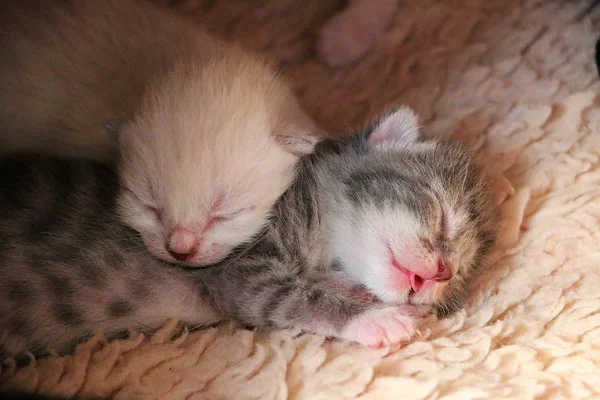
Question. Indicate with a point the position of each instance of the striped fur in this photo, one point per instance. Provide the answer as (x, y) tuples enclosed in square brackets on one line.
[(70, 267)]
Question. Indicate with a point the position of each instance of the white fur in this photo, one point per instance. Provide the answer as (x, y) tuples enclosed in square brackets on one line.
[(402, 126), (194, 145), (364, 238), (364, 254)]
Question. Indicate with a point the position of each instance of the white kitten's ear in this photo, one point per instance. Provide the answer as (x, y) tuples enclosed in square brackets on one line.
[(401, 125), (112, 129), (299, 146), (300, 139)]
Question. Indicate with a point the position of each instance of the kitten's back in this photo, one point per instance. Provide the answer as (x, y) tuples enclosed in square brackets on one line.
[(69, 267)]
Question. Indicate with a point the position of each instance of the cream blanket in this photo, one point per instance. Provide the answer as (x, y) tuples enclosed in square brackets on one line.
[(512, 78)]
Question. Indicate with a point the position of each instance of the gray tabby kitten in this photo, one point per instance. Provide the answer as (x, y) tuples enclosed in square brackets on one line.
[(373, 231)]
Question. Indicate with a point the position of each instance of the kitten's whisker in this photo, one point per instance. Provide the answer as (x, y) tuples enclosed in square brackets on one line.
[(465, 177)]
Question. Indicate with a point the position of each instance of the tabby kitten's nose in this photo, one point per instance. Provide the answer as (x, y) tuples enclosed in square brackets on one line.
[(444, 270)]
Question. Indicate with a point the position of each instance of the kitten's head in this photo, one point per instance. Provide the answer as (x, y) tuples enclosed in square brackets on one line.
[(207, 156), (417, 216)]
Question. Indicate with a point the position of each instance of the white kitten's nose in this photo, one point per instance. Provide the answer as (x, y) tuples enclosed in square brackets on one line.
[(182, 244)]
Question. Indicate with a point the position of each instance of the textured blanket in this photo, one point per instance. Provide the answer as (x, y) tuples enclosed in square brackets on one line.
[(516, 81)]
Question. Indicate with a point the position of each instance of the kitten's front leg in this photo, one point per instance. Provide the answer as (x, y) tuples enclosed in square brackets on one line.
[(383, 326), (318, 305), (376, 326)]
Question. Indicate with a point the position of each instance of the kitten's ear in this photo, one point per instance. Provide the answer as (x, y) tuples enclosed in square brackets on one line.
[(112, 129), (401, 125), (300, 138)]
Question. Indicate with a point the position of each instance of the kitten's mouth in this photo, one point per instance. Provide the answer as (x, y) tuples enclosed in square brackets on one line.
[(415, 281)]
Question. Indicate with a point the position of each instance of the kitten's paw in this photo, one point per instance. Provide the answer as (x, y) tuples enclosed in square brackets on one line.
[(344, 40), (352, 33), (383, 326)]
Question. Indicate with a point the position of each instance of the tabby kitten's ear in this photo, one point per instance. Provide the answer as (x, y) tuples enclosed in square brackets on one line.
[(401, 125)]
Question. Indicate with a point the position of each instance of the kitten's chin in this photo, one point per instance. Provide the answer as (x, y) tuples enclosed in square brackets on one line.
[(431, 293), (206, 259), (201, 259)]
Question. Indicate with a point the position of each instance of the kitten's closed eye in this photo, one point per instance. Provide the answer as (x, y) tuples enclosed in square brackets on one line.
[(221, 217), (214, 219), (147, 204)]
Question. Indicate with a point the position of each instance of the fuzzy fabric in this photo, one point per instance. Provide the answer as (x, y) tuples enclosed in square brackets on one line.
[(515, 80)]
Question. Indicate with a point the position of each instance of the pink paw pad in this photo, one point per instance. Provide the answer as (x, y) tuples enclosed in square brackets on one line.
[(343, 41), (353, 32), (381, 327)]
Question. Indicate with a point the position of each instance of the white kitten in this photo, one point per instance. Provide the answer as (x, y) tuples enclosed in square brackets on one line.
[(353, 32), (209, 136)]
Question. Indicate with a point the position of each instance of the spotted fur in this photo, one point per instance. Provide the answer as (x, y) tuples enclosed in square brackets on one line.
[(70, 267)]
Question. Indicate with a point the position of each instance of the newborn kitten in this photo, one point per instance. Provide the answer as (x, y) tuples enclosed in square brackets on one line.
[(407, 219), (371, 229), (208, 136), (353, 32)]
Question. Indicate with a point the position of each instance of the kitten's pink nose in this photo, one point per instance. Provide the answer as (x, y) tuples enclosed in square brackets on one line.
[(444, 270), (182, 244), (444, 273)]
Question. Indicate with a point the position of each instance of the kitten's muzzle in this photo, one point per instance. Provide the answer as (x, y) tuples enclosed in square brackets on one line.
[(182, 244), (444, 273)]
